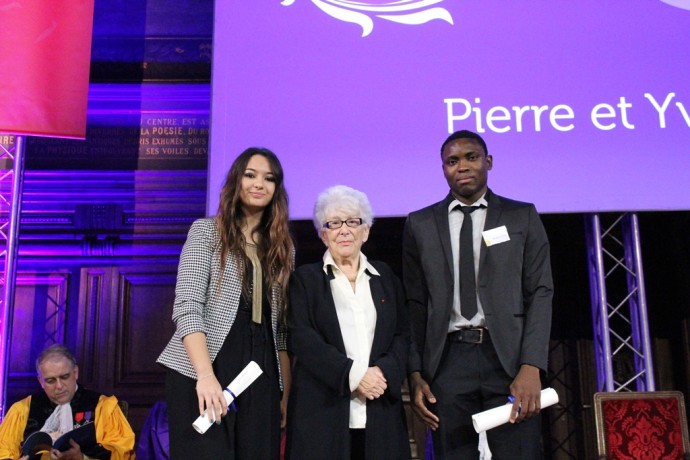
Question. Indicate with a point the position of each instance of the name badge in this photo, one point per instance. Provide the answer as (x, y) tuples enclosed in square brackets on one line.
[(496, 235)]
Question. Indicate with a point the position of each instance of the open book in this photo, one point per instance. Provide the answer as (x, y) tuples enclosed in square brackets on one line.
[(40, 442)]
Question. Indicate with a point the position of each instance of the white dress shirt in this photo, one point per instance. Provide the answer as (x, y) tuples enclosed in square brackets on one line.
[(455, 218), (357, 317)]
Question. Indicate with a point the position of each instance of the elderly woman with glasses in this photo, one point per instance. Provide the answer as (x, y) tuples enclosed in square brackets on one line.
[(349, 337)]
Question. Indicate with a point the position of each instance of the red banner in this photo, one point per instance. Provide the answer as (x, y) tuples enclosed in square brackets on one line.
[(45, 51)]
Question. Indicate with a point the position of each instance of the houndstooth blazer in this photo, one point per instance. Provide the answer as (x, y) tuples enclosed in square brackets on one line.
[(201, 307)]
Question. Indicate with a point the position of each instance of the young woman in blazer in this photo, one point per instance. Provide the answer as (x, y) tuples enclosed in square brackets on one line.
[(229, 301)]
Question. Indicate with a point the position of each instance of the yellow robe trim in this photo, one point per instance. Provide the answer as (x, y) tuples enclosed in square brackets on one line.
[(112, 429), (12, 429)]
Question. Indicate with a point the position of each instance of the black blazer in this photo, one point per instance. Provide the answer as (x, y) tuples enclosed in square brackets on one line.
[(514, 284), (319, 404)]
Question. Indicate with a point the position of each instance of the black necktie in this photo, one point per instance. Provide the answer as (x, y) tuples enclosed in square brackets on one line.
[(468, 288)]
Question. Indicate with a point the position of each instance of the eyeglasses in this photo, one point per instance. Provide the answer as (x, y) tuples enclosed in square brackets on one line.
[(336, 224)]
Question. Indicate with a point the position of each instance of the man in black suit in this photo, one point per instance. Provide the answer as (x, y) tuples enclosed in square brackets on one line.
[(477, 341)]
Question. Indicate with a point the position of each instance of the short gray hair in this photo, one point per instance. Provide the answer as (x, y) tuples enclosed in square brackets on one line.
[(342, 197), (55, 349)]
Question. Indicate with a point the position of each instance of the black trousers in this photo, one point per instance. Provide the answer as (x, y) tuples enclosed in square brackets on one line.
[(357, 444), (471, 379), (250, 433)]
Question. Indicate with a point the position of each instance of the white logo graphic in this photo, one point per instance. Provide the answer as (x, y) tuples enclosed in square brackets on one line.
[(684, 4), (411, 12)]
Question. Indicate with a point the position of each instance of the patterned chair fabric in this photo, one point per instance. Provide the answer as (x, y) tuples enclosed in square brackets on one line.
[(641, 426)]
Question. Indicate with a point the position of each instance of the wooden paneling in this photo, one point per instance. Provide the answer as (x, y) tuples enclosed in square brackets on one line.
[(92, 338), (143, 324), (142, 327), (40, 318)]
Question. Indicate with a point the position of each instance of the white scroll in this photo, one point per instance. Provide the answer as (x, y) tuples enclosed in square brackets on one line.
[(237, 386), (499, 415)]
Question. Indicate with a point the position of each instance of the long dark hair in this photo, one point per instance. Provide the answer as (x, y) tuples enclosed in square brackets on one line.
[(275, 246)]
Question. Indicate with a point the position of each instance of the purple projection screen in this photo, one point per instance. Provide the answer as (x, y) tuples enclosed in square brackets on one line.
[(585, 106)]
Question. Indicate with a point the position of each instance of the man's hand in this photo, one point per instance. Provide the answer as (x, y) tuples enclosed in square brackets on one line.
[(526, 389), (421, 396), (73, 453), (373, 384)]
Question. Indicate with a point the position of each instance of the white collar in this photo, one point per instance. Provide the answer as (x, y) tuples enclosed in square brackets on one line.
[(363, 264)]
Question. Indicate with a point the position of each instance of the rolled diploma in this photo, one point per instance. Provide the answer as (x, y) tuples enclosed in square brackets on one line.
[(492, 418), (237, 386)]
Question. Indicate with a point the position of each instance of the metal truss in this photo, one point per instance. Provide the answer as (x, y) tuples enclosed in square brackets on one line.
[(11, 185), (619, 310)]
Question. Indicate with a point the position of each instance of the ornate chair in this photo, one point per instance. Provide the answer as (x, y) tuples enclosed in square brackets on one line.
[(641, 425)]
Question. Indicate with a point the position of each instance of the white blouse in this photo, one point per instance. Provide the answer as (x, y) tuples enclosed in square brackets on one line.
[(357, 317)]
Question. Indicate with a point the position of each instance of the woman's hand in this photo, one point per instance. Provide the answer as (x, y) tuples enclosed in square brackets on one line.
[(286, 370), (208, 389), (283, 411), (211, 397), (373, 384)]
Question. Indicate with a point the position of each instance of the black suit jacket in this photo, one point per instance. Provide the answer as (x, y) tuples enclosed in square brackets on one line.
[(514, 284), (319, 405)]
